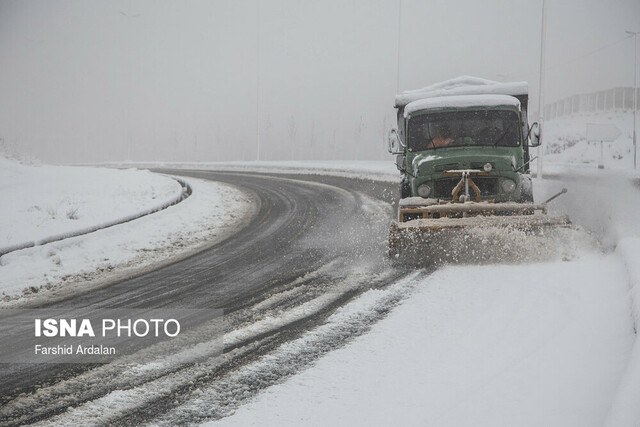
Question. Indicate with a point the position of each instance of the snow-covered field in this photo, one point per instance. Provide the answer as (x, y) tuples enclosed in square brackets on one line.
[(44, 201)]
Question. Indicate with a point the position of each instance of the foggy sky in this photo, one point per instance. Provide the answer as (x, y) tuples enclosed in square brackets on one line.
[(91, 81)]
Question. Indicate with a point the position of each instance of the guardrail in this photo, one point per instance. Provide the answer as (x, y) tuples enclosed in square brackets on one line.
[(184, 193)]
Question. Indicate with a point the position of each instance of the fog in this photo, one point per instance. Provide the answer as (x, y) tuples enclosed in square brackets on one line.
[(95, 81)]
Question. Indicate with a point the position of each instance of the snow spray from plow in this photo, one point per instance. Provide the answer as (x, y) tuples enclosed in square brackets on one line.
[(479, 232)]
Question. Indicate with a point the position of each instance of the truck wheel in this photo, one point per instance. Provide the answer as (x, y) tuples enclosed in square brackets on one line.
[(405, 189)]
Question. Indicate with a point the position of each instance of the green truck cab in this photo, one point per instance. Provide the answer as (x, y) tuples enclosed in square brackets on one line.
[(465, 124)]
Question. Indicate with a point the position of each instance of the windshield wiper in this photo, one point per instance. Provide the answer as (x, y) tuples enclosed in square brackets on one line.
[(495, 144)]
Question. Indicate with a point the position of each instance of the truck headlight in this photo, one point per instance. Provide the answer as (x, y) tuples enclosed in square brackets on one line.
[(424, 190), (508, 185)]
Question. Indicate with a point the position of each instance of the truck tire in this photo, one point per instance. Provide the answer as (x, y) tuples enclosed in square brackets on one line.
[(405, 189)]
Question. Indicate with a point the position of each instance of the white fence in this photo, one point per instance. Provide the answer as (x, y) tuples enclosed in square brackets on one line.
[(616, 99)]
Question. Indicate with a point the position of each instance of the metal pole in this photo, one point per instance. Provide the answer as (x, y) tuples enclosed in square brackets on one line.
[(541, 93), (635, 94), (257, 80), (601, 162), (398, 49), (635, 97), (129, 92)]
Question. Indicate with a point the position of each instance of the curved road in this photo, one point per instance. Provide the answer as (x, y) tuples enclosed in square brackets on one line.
[(312, 235)]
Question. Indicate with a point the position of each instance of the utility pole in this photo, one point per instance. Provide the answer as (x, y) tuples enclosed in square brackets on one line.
[(635, 92), (257, 80), (541, 94), (398, 49)]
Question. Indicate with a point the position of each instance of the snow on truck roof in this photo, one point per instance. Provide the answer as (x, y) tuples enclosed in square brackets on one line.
[(463, 85), (461, 101)]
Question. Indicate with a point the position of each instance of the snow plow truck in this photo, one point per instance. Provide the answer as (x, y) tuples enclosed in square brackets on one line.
[(462, 147)]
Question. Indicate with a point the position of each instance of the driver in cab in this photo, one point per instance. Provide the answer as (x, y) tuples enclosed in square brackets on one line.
[(444, 136)]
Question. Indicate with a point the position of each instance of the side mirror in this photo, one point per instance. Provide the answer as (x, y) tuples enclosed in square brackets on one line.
[(395, 144), (534, 134)]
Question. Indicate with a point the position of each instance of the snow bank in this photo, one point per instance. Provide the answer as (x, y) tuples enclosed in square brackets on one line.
[(545, 344), (53, 201), (625, 410), (96, 196), (606, 202)]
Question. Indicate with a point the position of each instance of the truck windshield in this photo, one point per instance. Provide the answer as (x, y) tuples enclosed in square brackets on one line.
[(460, 128)]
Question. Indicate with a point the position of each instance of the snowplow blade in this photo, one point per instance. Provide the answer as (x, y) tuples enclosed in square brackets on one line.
[(472, 233)]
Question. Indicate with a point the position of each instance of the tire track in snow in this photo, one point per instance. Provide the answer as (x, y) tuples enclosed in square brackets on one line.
[(301, 300)]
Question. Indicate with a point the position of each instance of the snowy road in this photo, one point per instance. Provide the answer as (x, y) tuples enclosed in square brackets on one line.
[(312, 247), (307, 276)]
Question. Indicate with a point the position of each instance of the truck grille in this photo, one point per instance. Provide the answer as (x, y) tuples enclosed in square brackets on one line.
[(480, 165), (444, 187), (441, 168)]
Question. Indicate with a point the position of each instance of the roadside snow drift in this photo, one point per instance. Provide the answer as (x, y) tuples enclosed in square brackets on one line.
[(474, 347), (48, 200), (42, 201)]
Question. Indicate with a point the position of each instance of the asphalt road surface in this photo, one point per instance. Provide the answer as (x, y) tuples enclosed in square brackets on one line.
[(313, 235)]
